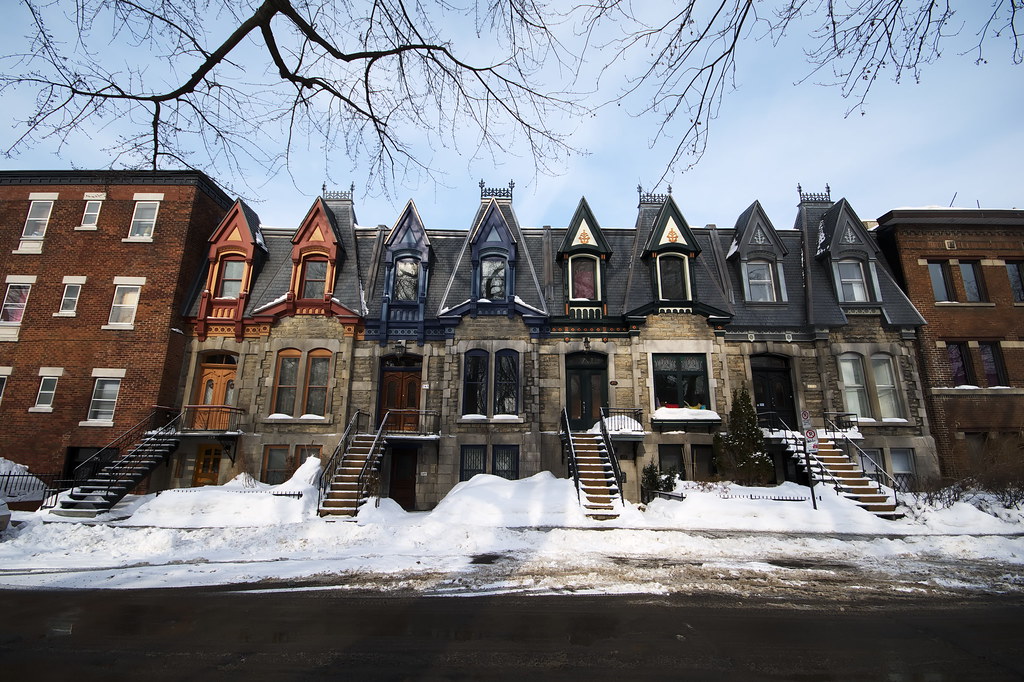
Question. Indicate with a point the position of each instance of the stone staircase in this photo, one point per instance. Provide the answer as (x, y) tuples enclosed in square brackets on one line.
[(599, 493), (344, 497), (111, 482), (831, 466)]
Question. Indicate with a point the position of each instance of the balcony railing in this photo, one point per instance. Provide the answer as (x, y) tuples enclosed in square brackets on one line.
[(211, 418), (411, 423)]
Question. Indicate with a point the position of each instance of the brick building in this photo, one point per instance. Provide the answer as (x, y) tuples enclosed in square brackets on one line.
[(963, 269), (97, 267)]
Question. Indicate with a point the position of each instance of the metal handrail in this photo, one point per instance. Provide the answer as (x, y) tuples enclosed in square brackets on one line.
[(567, 446), (879, 471), (190, 420), (109, 452), (422, 427), (800, 442), (612, 457), (372, 458), (329, 471)]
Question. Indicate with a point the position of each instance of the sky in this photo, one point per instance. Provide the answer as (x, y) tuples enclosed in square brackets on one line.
[(955, 138)]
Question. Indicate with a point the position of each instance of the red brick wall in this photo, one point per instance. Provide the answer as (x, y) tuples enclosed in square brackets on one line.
[(151, 353), (978, 236)]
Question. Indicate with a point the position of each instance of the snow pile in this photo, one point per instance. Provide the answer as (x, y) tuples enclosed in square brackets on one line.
[(618, 423), (684, 414), (16, 486), (240, 503), (485, 500)]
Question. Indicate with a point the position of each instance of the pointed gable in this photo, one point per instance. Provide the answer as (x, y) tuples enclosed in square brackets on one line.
[(317, 234), (408, 234), (492, 231), (842, 234), (584, 234), (239, 232), (670, 232), (755, 236)]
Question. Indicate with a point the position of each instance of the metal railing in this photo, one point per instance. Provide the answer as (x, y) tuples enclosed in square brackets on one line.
[(211, 418), (879, 475), (329, 471), (370, 466), (26, 487), (619, 417), (569, 449), (612, 457), (109, 453), (411, 422), (647, 494)]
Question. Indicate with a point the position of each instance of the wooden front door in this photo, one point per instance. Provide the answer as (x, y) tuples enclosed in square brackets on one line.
[(586, 388), (402, 486), (207, 465), (400, 390), (773, 388), (214, 392)]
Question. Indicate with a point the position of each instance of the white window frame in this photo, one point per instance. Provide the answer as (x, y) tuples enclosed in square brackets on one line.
[(770, 282), (142, 229), (91, 215), (47, 392), (842, 281), (73, 293), (4, 373), (103, 376), (10, 305), (688, 290), (46, 204), (893, 388), (597, 278), (125, 284), (856, 360)]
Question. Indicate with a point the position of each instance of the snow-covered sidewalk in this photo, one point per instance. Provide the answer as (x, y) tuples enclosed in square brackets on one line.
[(493, 535)]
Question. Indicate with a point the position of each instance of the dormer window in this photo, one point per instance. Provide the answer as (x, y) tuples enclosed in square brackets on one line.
[(314, 278), (407, 279), (852, 284), (673, 278), (760, 282), (492, 278), (231, 275), (584, 282)]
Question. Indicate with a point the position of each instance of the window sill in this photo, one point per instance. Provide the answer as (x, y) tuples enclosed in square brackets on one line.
[(96, 422), (66, 314), (40, 409), (137, 240), (9, 331), (87, 228), (768, 304), (119, 326), (483, 419), (270, 419), (978, 391), (965, 304)]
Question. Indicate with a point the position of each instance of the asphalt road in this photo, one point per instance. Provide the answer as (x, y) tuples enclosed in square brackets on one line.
[(238, 633)]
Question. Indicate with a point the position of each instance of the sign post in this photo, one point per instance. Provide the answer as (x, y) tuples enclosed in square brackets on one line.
[(810, 445)]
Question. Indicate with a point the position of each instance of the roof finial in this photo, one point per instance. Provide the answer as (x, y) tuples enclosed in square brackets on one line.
[(670, 190), (323, 189)]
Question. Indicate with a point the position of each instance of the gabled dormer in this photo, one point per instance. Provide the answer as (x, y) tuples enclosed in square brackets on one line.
[(317, 253), (583, 255), (844, 243), (236, 252), (670, 248), (493, 252), (407, 260), (758, 251)]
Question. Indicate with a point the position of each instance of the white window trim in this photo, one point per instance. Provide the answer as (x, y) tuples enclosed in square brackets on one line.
[(73, 280), (772, 274), (148, 198), (597, 279), (869, 287), (92, 227), (34, 244), (103, 373), (9, 331), (686, 274), (4, 373), (54, 373)]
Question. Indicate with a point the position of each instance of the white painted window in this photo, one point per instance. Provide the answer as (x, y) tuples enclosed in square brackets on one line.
[(144, 219), (38, 218), (91, 216), (125, 304)]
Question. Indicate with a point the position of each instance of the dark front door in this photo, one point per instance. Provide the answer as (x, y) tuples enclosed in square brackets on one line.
[(400, 394), (403, 477), (773, 388), (586, 388)]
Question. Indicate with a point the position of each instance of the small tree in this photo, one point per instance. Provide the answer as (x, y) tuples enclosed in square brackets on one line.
[(649, 478), (741, 450)]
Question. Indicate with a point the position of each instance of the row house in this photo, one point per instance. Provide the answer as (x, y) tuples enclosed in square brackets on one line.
[(97, 267), (964, 270), (457, 352)]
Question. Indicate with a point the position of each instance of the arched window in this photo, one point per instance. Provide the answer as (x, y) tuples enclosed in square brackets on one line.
[(318, 365), (492, 278), (760, 282), (286, 381), (407, 279), (314, 278), (231, 273), (583, 279), (855, 390), (474, 383), (506, 382), (673, 278), (885, 386)]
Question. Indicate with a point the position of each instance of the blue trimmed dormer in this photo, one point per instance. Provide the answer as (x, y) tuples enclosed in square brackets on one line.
[(407, 263), (493, 253)]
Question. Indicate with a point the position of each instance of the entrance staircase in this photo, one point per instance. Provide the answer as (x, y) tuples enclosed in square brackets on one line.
[(105, 483), (833, 467), (344, 493), (597, 482)]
